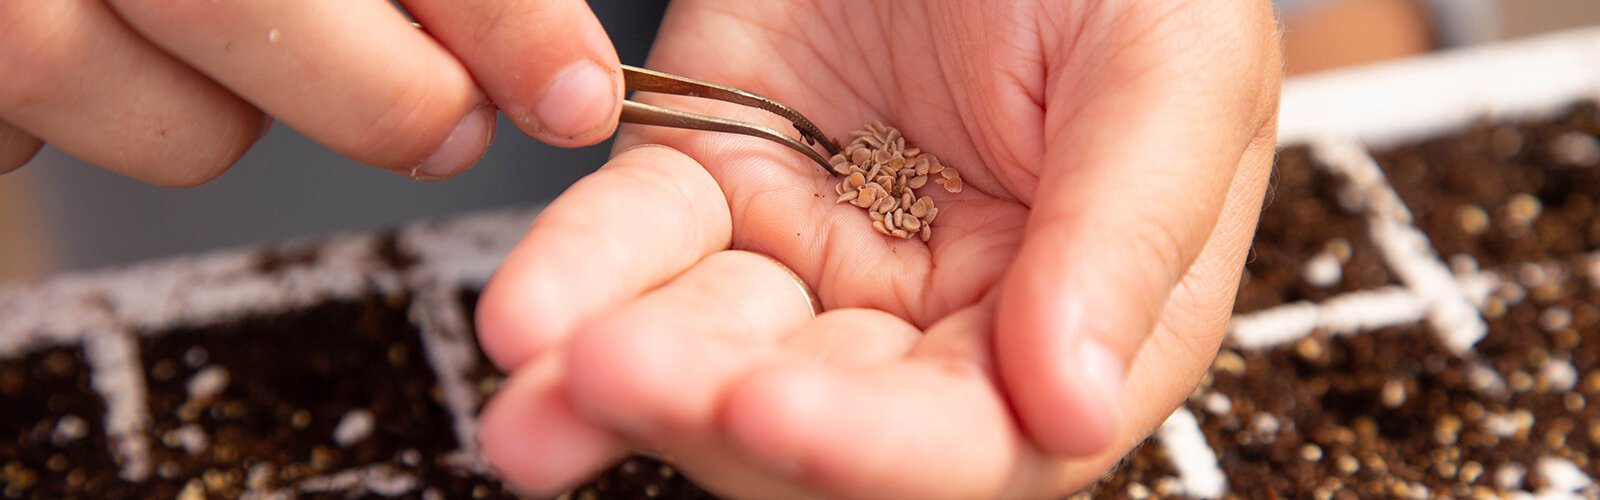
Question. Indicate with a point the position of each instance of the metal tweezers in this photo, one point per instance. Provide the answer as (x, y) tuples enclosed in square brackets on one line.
[(644, 80)]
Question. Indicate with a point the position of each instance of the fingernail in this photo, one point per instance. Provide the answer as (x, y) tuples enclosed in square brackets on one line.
[(465, 145), (578, 103), (1104, 371)]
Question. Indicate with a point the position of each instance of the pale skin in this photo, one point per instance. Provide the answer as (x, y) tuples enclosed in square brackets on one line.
[(1114, 155)]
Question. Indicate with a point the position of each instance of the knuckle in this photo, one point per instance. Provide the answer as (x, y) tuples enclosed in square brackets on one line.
[(415, 120), (1156, 245)]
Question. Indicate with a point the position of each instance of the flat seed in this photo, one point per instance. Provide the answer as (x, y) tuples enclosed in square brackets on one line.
[(925, 233), (912, 152), (875, 216), (873, 174), (866, 197), (919, 209), (882, 156), (901, 233), (932, 214), (949, 173), (857, 180), (885, 205), (921, 166), (878, 225), (860, 156), (954, 186), (850, 197), (906, 200), (896, 163), (917, 182), (911, 223)]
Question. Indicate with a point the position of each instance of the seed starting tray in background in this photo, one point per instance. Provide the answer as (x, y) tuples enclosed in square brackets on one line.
[(1418, 318)]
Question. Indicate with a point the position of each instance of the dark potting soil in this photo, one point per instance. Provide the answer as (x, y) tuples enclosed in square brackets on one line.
[(272, 401), (1302, 220)]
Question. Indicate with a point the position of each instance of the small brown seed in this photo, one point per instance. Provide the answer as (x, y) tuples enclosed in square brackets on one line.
[(912, 152), (850, 197), (874, 215), (860, 156), (932, 214), (934, 167), (911, 223), (949, 173), (917, 182), (925, 233), (906, 200), (857, 180), (901, 233), (866, 197), (878, 225), (953, 185), (920, 208)]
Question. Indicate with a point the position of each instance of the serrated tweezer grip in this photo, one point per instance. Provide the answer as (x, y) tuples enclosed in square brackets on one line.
[(644, 80)]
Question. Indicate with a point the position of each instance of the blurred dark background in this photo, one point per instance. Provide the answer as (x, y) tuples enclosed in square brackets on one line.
[(58, 213)]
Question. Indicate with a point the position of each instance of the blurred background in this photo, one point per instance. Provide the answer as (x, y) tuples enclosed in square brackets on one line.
[(58, 213)]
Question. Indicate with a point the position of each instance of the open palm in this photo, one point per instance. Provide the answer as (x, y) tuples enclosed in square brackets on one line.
[(1071, 295)]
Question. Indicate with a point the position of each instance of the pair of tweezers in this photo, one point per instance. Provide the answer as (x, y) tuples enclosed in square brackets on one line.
[(644, 80)]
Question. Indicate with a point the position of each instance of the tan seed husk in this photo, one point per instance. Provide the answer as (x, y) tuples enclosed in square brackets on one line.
[(881, 175)]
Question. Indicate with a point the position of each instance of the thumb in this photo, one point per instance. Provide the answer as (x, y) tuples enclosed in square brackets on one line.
[(1135, 174)]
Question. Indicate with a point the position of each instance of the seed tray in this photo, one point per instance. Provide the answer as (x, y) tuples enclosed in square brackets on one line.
[(1388, 340)]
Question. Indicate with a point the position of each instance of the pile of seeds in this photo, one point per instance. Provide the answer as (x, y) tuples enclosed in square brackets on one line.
[(882, 175)]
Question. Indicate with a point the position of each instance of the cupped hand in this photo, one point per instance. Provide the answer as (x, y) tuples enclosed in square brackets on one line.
[(1114, 154), (173, 93)]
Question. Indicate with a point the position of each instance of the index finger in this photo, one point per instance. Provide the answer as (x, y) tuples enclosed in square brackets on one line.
[(648, 215)]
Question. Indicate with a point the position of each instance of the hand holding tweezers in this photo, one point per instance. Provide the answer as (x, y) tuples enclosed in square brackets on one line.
[(644, 80)]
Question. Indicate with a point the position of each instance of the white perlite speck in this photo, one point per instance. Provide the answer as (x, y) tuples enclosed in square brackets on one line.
[(208, 382), (1323, 270), (1218, 403), (1561, 478), (355, 426), (1560, 374), (69, 428), (190, 437), (1196, 462), (1509, 476)]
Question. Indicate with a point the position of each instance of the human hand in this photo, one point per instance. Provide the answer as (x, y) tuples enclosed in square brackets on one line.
[(1114, 155), (174, 92)]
